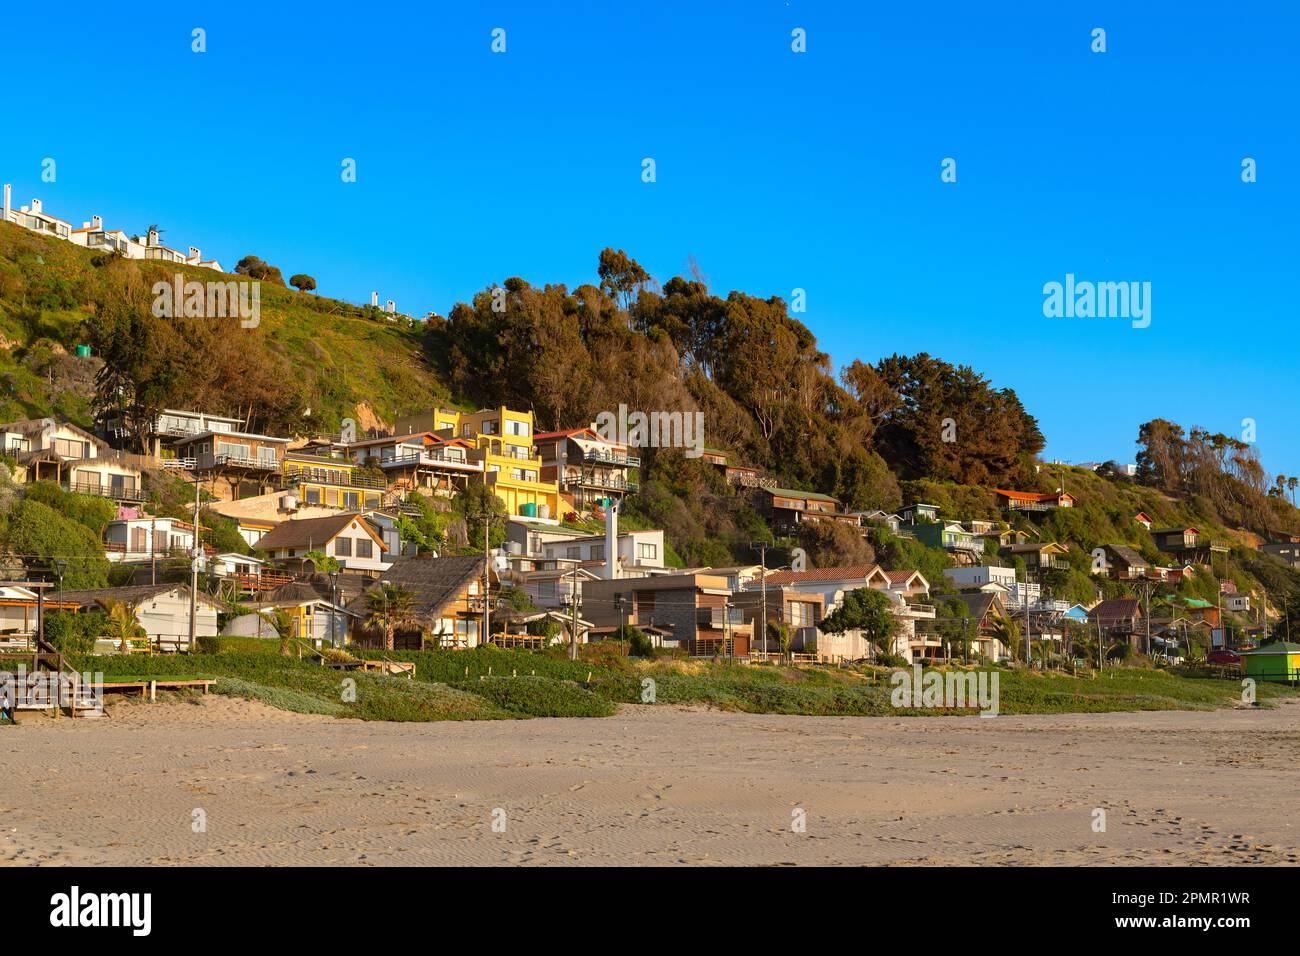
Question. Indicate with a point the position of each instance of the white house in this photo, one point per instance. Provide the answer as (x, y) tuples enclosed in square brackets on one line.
[(93, 235), (49, 450), (348, 537), (833, 583), (1016, 592), (163, 610), (141, 537)]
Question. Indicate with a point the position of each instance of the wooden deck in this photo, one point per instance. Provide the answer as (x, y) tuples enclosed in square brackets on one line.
[(149, 688)]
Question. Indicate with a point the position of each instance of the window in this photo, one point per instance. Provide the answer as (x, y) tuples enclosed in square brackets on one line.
[(517, 428), (350, 499), (343, 547), (598, 552), (800, 614), (647, 551), (70, 449), (372, 501), (365, 548), (546, 590), (573, 553), (312, 496)]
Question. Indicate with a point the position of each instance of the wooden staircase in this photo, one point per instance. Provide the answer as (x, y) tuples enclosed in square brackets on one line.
[(43, 680), (394, 501)]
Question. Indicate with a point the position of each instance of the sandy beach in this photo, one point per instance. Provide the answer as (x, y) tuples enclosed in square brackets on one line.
[(654, 785)]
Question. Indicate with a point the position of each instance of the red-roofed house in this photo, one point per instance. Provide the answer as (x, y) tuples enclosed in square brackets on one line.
[(591, 471), (903, 588), (1032, 501)]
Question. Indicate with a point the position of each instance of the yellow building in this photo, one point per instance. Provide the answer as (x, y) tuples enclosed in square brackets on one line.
[(330, 482), (512, 468)]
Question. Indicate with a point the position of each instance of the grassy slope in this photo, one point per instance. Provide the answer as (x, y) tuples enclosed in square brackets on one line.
[(489, 683), (47, 290), (1104, 515)]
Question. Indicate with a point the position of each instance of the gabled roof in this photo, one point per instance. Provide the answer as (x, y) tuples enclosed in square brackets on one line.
[(33, 426), (853, 572), (434, 582), (313, 533), (1040, 547), (1116, 609), (134, 594), (980, 603), (1128, 555), (902, 579)]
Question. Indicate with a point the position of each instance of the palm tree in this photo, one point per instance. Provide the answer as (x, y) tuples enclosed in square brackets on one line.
[(1291, 484), (122, 624), (389, 605), (1007, 632), (283, 624)]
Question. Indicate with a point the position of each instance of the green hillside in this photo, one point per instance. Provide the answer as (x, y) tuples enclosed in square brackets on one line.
[(312, 361), (872, 435)]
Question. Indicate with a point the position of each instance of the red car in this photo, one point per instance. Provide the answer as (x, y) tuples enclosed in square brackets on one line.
[(1223, 657)]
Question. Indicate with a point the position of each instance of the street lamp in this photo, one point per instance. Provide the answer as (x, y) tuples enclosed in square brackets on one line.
[(60, 566), (334, 601)]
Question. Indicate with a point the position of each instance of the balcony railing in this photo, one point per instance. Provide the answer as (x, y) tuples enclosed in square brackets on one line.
[(116, 492), (612, 482), (1051, 562), (430, 459), (597, 457), (242, 461), (719, 617), (325, 476)]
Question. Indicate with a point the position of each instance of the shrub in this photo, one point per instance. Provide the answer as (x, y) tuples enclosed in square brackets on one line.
[(541, 697)]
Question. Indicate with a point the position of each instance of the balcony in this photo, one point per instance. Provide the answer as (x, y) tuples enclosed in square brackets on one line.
[(240, 461), (115, 492), (594, 456), (326, 476), (608, 482), (916, 611), (1053, 563), (436, 460), (719, 617)]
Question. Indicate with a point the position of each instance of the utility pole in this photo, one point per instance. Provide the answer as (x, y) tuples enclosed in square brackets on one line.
[(486, 517), (1146, 592), (573, 611), (762, 560), (1028, 646), (194, 571)]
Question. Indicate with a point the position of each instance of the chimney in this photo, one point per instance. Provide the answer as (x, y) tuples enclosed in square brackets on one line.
[(374, 299), (8, 196), (392, 306), (85, 225), (36, 205), (96, 222), (152, 238), (611, 541), (194, 254)]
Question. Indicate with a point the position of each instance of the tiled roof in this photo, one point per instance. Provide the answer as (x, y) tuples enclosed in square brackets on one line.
[(849, 572)]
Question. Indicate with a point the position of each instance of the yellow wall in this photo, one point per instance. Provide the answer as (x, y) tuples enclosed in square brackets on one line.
[(490, 431)]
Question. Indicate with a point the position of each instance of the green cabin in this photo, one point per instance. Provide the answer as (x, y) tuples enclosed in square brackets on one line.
[(1279, 661)]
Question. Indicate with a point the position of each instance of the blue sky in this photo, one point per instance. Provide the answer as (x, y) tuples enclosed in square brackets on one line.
[(775, 170)]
